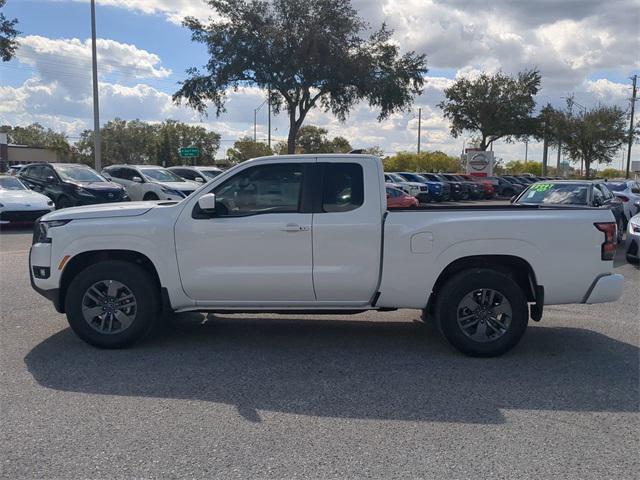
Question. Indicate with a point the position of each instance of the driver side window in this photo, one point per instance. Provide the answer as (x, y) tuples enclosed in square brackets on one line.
[(261, 189)]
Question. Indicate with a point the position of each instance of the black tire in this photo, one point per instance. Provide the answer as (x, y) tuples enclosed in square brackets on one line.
[(454, 291), (150, 196), (137, 280), (63, 202), (633, 260)]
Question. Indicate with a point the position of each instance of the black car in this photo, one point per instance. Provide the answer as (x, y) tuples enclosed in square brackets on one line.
[(503, 187), (71, 184), (576, 193), (516, 180)]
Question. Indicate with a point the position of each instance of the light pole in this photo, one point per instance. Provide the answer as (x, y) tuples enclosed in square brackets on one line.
[(255, 122), (419, 127), (96, 107)]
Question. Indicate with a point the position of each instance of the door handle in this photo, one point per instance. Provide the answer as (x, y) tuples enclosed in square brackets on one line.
[(294, 227)]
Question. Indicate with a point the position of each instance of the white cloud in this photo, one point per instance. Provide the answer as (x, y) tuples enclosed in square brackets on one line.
[(67, 62)]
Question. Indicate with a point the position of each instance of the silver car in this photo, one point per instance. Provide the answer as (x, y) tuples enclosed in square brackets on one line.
[(632, 246)]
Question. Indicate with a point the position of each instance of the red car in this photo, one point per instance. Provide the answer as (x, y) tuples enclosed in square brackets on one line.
[(398, 199), (489, 189)]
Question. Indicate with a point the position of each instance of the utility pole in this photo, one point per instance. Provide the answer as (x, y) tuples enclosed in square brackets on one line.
[(96, 108), (255, 125), (631, 129), (559, 154), (526, 152), (419, 127), (269, 134), (545, 149)]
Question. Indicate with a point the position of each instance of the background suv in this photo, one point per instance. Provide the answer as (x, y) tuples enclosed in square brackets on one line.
[(71, 184), (196, 174), (150, 182)]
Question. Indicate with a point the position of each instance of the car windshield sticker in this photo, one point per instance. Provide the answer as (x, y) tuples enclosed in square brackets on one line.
[(541, 187)]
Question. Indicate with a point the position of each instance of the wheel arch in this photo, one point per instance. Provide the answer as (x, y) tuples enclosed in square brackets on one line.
[(82, 260), (516, 267)]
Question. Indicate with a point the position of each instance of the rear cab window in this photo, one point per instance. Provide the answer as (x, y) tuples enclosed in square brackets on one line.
[(342, 187)]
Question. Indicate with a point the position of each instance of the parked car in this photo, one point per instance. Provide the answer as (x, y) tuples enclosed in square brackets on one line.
[(575, 193), (516, 181), (632, 247), (458, 191), (439, 191), (416, 189), (71, 184), (476, 189), (312, 233), (505, 188), (14, 169), (202, 174), (150, 182), (487, 191), (397, 198), (629, 192), (19, 204)]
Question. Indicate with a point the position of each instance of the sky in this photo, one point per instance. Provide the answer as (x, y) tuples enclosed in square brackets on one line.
[(582, 47)]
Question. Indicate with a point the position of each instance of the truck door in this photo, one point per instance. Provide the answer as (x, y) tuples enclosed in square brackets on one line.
[(347, 231), (255, 249)]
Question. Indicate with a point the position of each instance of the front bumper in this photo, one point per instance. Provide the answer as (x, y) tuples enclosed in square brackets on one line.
[(605, 288), (40, 256), (8, 216)]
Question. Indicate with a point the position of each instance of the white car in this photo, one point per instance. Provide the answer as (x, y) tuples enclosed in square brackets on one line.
[(632, 247), (19, 204), (629, 192), (415, 189), (150, 182), (202, 174), (312, 233)]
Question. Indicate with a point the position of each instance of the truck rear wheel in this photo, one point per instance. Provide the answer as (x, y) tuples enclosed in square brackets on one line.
[(482, 312), (112, 304)]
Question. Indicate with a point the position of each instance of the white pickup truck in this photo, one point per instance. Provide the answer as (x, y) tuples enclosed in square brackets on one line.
[(312, 233)]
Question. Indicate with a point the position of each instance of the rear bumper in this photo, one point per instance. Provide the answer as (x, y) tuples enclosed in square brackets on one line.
[(606, 288)]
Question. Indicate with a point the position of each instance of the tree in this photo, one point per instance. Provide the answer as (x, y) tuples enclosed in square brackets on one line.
[(312, 139), (8, 34), (595, 135), (35, 135), (245, 149), (308, 53), (493, 106), (136, 141), (422, 162)]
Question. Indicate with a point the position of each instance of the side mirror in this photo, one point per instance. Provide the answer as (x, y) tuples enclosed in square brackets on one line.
[(597, 202), (207, 202), (136, 179), (199, 180)]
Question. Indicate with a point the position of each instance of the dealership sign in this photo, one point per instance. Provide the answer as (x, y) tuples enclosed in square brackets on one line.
[(479, 163)]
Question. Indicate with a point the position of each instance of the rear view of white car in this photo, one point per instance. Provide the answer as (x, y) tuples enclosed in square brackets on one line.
[(150, 182), (629, 192), (19, 204)]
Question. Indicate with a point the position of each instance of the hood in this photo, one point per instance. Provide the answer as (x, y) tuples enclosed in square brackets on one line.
[(99, 186), (101, 210), (22, 197), (186, 185)]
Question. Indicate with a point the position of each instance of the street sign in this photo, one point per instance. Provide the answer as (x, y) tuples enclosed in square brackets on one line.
[(189, 152)]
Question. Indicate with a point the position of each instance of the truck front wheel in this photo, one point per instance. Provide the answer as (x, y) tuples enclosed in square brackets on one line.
[(482, 312), (112, 304)]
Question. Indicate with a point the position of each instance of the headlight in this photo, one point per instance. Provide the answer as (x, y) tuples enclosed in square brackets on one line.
[(82, 192), (41, 230), (170, 191), (50, 203), (634, 225)]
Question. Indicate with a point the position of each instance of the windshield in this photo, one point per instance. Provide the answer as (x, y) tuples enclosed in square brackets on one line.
[(396, 178), (617, 187), (210, 173), (412, 177), (160, 175), (11, 183), (78, 173), (556, 194)]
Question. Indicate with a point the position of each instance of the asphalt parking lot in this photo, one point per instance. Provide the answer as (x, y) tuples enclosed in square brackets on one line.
[(370, 396)]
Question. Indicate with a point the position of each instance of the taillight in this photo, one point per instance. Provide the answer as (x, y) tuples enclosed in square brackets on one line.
[(608, 249), (623, 198)]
